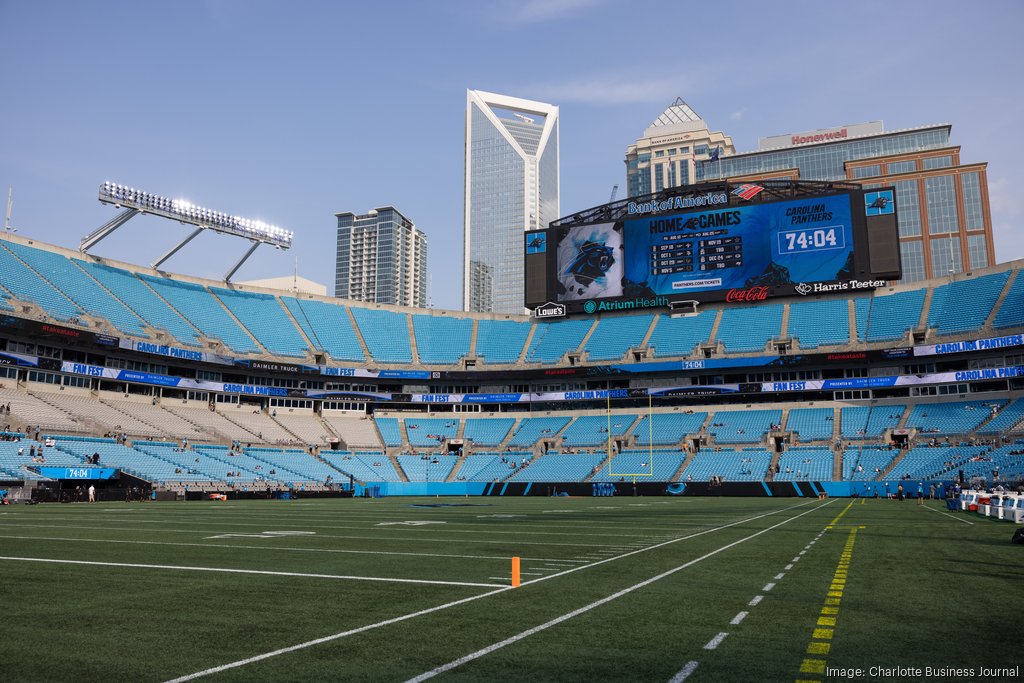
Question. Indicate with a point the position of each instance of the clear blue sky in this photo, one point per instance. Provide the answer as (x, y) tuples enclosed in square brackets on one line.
[(292, 111)]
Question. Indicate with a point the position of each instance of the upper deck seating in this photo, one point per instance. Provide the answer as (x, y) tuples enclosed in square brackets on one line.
[(442, 340), (820, 323), (501, 341), (552, 340), (613, 337), (749, 329), (891, 316), (680, 336), (327, 326), (386, 334), (266, 320), (23, 283), (204, 311), (965, 305)]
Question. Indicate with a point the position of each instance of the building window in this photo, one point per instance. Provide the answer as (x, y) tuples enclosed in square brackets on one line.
[(971, 184), (946, 258), (867, 171), (941, 200), (912, 260), (902, 167), (671, 152), (672, 174), (700, 149), (659, 180), (659, 153), (938, 162), (908, 208), (976, 251)]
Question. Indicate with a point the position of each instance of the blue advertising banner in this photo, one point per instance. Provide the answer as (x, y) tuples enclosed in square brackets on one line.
[(77, 472)]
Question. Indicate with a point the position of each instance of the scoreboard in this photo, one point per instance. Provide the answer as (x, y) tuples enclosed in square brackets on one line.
[(651, 253)]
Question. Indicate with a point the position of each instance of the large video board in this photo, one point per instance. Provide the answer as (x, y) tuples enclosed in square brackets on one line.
[(728, 248)]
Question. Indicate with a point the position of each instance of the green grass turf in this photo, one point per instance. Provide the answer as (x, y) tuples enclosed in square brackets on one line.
[(923, 589)]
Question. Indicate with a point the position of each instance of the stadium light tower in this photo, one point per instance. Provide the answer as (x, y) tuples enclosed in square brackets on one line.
[(133, 202)]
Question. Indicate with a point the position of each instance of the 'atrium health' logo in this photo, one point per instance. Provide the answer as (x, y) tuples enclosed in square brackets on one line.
[(590, 306)]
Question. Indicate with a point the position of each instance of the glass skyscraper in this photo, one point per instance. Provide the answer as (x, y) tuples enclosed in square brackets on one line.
[(945, 225), (511, 186), (381, 257)]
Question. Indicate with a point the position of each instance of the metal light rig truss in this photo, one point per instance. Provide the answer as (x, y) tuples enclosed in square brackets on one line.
[(133, 202), (773, 190)]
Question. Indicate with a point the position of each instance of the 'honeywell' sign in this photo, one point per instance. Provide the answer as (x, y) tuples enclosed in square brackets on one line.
[(822, 135)]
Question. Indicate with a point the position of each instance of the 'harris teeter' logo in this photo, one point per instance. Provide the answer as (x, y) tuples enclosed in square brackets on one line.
[(590, 306)]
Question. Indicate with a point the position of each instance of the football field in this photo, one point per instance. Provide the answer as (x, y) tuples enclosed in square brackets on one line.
[(616, 589)]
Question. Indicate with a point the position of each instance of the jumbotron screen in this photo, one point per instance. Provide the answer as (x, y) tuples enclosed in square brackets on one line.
[(728, 249)]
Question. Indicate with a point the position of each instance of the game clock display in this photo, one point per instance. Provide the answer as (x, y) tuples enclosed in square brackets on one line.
[(778, 243)]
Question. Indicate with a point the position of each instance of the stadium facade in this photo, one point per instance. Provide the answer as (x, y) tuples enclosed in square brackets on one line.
[(785, 396), (381, 258), (512, 185)]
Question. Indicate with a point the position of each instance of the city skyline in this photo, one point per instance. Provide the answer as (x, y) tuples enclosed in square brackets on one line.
[(263, 121)]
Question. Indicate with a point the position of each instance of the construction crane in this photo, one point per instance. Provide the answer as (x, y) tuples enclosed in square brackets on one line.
[(615, 191)]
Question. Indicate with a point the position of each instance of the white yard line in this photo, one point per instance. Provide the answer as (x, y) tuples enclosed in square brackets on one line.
[(738, 618), (262, 572), (716, 641), (586, 608), (368, 627), (684, 673), (948, 515), (755, 600), (502, 558)]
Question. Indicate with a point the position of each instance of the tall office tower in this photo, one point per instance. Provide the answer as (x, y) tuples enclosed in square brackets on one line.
[(942, 204), (381, 257), (511, 186), (671, 146)]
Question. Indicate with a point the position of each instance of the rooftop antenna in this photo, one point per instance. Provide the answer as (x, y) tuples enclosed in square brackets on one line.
[(7, 220)]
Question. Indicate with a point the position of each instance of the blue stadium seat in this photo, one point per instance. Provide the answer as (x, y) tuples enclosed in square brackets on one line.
[(203, 310), (141, 299), (613, 337), (668, 428), (487, 431), (742, 426), (24, 284), (812, 424), (749, 328), (501, 341), (676, 337), (327, 326), (965, 305), (1011, 312), (552, 340), (819, 323), (533, 429), (266, 319), (386, 334), (442, 340), (870, 422), (891, 316), (63, 274)]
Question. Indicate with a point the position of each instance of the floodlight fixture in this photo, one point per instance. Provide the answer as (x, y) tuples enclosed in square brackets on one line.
[(184, 211), (133, 202)]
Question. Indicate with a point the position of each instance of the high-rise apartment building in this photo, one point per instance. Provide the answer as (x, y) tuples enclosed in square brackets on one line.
[(511, 186), (945, 224), (382, 258), (667, 154)]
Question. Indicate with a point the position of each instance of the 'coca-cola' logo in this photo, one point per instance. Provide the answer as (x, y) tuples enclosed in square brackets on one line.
[(748, 294)]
